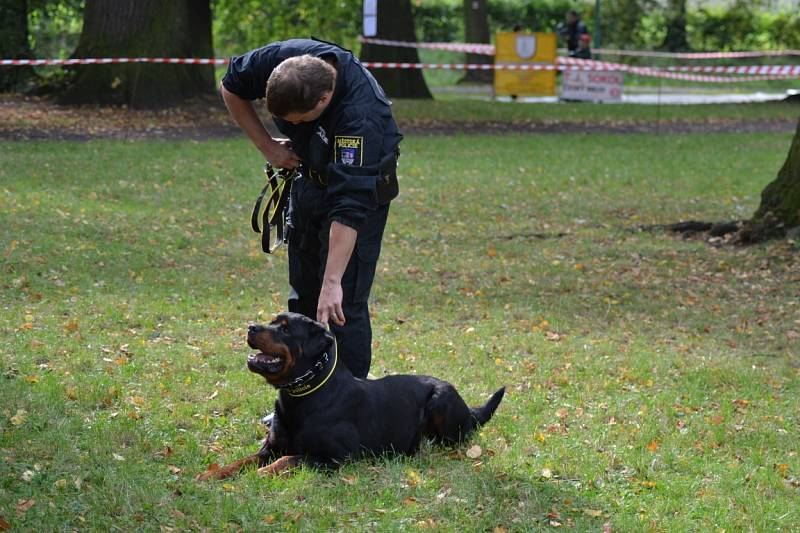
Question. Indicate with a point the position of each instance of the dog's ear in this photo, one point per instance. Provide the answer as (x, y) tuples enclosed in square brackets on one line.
[(317, 338)]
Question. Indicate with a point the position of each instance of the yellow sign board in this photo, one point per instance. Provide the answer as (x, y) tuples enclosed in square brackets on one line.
[(517, 48)]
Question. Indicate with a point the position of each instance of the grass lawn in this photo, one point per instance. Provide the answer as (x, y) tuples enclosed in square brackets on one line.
[(653, 381)]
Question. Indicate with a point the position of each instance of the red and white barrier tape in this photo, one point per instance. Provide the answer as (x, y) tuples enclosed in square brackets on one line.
[(469, 48), (489, 50), (106, 60), (589, 65), (743, 73)]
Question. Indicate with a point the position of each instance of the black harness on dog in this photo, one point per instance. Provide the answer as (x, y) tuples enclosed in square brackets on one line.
[(315, 377), (277, 192)]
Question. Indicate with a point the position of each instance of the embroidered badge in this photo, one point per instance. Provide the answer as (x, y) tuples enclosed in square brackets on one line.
[(349, 150)]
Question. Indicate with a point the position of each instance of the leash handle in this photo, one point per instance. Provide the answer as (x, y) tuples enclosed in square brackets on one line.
[(276, 191)]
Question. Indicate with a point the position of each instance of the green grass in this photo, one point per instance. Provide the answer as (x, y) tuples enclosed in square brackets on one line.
[(471, 111), (653, 381)]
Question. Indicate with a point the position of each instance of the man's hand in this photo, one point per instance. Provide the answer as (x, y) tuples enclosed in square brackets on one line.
[(342, 240), (280, 154), (277, 152), (329, 306)]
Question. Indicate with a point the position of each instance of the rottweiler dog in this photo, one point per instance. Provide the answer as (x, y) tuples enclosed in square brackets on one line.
[(324, 416)]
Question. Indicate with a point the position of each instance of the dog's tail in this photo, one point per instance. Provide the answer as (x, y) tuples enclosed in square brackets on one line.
[(481, 415)]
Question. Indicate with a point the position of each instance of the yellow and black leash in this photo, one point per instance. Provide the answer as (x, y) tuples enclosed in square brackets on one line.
[(276, 192)]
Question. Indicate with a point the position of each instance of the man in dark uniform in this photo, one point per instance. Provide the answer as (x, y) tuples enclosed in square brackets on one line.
[(572, 30), (343, 139)]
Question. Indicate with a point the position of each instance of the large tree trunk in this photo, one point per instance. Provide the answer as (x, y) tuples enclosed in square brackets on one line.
[(476, 30), (780, 201), (676, 40), (14, 45), (143, 28), (396, 23)]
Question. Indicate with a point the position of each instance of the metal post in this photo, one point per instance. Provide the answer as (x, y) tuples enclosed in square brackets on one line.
[(596, 24)]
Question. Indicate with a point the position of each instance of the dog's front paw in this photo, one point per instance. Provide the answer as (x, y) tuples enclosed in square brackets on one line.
[(214, 472), (285, 463)]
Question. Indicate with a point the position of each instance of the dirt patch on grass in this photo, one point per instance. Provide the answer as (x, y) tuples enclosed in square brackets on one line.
[(23, 118)]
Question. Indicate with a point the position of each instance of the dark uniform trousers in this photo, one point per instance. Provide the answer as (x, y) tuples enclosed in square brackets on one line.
[(308, 252)]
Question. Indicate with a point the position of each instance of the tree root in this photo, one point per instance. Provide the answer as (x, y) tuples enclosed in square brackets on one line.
[(738, 232)]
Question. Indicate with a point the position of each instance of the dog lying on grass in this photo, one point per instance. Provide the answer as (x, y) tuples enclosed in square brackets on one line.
[(324, 416)]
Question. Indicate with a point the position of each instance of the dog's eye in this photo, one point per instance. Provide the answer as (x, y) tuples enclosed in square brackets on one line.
[(285, 327)]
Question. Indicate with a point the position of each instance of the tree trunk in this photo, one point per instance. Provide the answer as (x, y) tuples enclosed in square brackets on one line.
[(676, 40), (780, 201), (396, 23), (143, 28), (14, 45), (476, 30)]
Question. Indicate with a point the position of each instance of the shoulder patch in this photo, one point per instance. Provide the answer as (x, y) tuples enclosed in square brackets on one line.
[(349, 150)]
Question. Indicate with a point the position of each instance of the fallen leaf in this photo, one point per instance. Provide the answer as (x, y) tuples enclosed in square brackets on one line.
[(474, 452), (410, 500), (23, 506), (20, 418), (32, 379), (350, 480), (607, 527), (4, 526), (166, 452), (413, 478), (652, 446), (118, 457), (553, 336), (60, 483), (27, 475), (593, 512), (174, 469), (547, 473)]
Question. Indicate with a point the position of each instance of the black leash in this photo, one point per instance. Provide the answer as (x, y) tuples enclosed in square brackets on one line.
[(277, 192)]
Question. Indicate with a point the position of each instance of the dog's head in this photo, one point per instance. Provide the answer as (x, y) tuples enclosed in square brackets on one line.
[(287, 347)]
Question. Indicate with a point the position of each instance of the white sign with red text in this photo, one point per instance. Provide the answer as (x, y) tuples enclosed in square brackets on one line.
[(592, 85)]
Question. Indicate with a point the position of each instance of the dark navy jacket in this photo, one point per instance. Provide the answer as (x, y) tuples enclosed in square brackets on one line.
[(346, 146)]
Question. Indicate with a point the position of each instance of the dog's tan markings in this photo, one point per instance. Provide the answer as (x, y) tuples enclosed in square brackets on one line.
[(283, 464), (228, 471), (435, 425)]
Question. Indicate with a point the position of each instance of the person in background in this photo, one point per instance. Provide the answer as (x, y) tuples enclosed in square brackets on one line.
[(572, 30), (583, 51)]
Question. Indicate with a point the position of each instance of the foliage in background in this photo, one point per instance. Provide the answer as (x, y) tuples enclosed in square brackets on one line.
[(54, 27), (241, 25), (625, 24), (631, 24)]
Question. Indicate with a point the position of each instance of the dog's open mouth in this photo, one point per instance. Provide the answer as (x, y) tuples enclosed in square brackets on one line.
[(263, 363)]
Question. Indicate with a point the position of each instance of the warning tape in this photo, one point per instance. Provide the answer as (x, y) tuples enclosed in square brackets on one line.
[(469, 48), (742, 73), (589, 65), (106, 60), (489, 50)]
